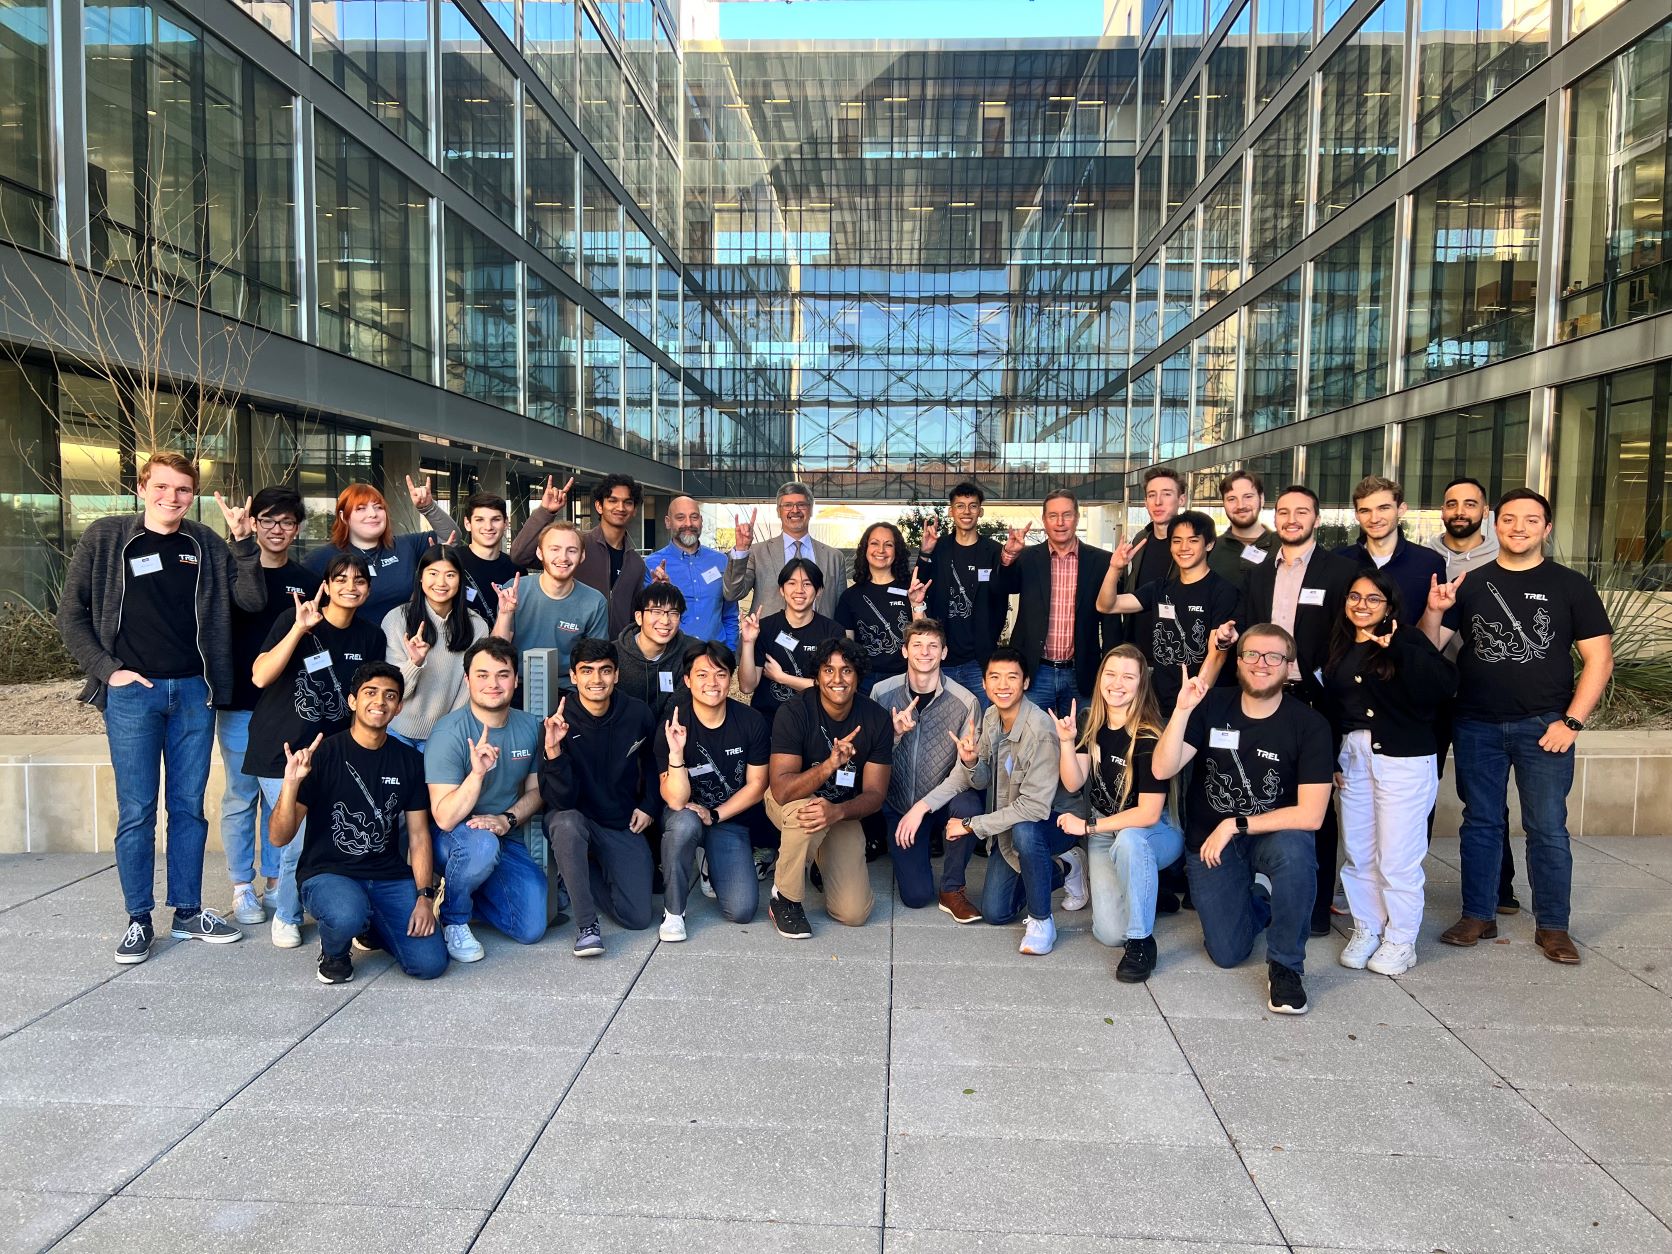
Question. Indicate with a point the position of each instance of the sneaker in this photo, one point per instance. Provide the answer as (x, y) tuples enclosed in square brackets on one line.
[(958, 905), (136, 942), (765, 861), (1509, 904), (462, 945), (334, 970), (789, 918), (286, 935), (815, 877), (205, 925), (365, 943), (704, 881), (1393, 958), (245, 908), (673, 927), (1039, 938), (589, 943), (1139, 961), (1363, 943), (1074, 894), (1285, 994)]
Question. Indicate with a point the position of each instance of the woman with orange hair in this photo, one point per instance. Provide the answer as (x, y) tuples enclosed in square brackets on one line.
[(361, 525)]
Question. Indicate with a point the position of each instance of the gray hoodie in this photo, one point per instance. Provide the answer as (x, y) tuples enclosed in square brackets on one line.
[(642, 678), (1461, 563)]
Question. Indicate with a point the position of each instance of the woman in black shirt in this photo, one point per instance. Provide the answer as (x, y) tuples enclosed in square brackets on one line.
[(878, 607), (1130, 837), (1385, 685)]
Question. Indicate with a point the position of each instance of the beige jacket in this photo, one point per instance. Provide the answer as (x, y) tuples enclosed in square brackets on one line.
[(1018, 771)]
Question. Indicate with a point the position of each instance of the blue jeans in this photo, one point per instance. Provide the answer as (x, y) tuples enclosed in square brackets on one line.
[(287, 902), (731, 863), (1233, 914), (345, 907), (1124, 869), (491, 878), (1485, 753), (167, 725), (244, 816), (1038, 845), (608, 865), (971, 675), (913, 872), (1053, 688)]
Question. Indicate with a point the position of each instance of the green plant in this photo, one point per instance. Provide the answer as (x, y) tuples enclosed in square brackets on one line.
[(1640, 610), (30, 649), (911, 524)]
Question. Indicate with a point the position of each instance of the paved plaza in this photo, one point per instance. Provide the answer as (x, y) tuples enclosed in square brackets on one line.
[(908, 1086)]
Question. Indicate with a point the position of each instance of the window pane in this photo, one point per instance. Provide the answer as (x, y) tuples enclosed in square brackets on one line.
[(478, 116), (1488, 442), (1222, 239), (374, 50), (549, 45), (1273, 356), (1277, 198), (1358, 125), (1284, 39), (1468, 52), (481, 316), (25, 125), (1351, 283), (1227, 81), (551, 340), (1612, 498)]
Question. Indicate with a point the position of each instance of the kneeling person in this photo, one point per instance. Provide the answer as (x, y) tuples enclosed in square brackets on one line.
[(1256, 799), (712, 759), (351, 874)]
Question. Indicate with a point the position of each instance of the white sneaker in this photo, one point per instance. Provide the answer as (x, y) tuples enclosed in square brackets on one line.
[(245, 908), (1360, 946), (1393, 958), (1041, 936), (286, 935), (704, 882), (1074, 893), (462, 945), (673, 927)]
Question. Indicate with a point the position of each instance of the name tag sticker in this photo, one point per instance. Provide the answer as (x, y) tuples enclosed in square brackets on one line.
[(1311, 596), (845, 778), (787, 641), (1009, 763), (1252, 554), (711, 574), (317, 661), (1224, 738), (470, 594), (666, 678), (984, 575), (707, 768), (1166, 610), (150, 564), (897, 592)]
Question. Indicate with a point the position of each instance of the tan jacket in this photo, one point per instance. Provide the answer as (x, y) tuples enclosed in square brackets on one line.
[(1018, 771)]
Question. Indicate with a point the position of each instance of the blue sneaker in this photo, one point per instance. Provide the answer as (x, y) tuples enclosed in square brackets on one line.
[(590, 942)]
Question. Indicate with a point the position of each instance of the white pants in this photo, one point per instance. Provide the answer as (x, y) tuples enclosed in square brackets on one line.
[(1384, 804)]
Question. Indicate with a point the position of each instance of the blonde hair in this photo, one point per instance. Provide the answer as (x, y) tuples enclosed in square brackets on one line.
[(561, 524), (1143, 716)]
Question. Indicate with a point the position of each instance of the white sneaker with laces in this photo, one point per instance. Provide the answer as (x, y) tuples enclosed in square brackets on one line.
[(1040, 937), (245, 908), (1074, 891), (1393, 958), (673, 927), (462, 945), (286, 935), (1360, 946)]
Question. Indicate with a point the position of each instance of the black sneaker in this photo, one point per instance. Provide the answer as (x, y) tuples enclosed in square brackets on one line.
[(1167, 903), (136, 942), (1286, 995), (205, 925), (589, 942), (1139, 961), (365, 943), (815, 877), (335, 970), (1508, 903), (789, 918)]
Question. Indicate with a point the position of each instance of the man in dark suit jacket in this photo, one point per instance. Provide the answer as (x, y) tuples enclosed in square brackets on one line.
[(1304, 589), (1058, 629)]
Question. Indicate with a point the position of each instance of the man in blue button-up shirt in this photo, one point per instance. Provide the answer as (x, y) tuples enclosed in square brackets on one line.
[(697, 571)]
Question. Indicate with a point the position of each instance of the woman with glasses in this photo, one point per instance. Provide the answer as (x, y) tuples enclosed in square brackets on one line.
[(1385, 685), (427, 638)]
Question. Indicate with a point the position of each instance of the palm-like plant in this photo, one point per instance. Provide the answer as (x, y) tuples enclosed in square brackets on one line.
[(1640, 610)]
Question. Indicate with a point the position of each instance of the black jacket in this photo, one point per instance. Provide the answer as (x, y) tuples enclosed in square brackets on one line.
[(1029, 576), (605, 767), (1313, 623), (1399, 711)]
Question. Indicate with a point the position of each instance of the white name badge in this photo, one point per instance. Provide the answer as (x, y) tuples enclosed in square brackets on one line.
[(787, 641), (150, 564), (1252, 554), (1166, 610), (1009, 763), (1224, 738), (470, 594), (898, 592), (707, 768), (984, 575), (711, 574), (317, 661), (667, 680), (1311, 596), (845, 778)]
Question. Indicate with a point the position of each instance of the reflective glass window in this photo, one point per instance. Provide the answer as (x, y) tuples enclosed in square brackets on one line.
[(1277, 187), (1358, 123), (479, 282), (1613, 480), (1333, 468), (26, 183), (1173, 411), (600, 93), (600, 381), (1281, 42), (551, 343), (1152, 89), (1179, 280), (1351, 285), (1586, 13), (550, 201), (1222, 238), (1224, 111), (1468, 51), (1486, 442), (1149, 195), (1271, 350), (376, 52), (478, 115), (1183, 149), (1215, 416), (601, 240), (549, 46)]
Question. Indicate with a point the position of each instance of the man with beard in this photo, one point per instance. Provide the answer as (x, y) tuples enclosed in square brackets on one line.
[(1304, 591), (1257, 798), (1247, 542), (1379, 506), (699, 573)]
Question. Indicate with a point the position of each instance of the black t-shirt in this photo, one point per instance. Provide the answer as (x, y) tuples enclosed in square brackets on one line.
[(1252, 765), (249, 631), (311, 696), (617, 557), (482, 577), (717, 759), (971, 573), (1518, 629), (804, 728), (356, 798), (1176, 628), (878, 615), (1114, 758), (1154, 562), (158, 633), (793, 649)]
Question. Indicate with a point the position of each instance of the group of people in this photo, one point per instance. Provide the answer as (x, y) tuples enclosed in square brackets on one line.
[(1170, 717)]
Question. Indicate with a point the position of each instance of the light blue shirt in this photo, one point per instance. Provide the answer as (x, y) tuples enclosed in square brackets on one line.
[(540, 622), (708, 615)]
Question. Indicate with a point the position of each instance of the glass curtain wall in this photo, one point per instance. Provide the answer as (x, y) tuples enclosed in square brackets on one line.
[(1612, 502), (26, 182), (377, 52), (1358, 124)]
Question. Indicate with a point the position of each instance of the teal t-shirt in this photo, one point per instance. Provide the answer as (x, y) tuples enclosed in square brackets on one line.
[(447, 755), (542, 622)]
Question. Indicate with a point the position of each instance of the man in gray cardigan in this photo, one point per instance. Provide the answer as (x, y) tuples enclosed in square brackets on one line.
[(157, 672), (754, 566)]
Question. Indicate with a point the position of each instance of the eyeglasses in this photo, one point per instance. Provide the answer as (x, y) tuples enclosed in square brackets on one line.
[(276, 524), (1253, 656), (665, 612), (1373, 599)]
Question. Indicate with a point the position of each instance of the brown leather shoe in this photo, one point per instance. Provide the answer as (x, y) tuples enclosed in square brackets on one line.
[(959, 907), (1467, 931), (1558, 946)]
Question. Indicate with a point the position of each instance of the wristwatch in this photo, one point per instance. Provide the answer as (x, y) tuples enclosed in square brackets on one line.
[(510, 819), (1572, 723), (1242, 825), (427, 892)]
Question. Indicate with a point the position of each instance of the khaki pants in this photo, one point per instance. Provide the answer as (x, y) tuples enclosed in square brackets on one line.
[(840, 854)]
